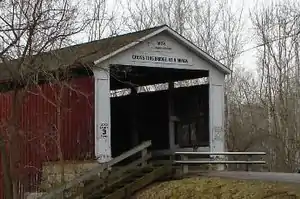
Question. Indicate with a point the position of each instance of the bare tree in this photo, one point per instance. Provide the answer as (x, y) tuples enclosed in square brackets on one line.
[(276, 101), (145, 14), (27, 30), (206, 24), (140, 14), (214, 27), (102, 20)]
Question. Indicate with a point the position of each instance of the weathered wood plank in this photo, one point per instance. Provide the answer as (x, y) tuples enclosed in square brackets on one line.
[(95, 171), (139, 183), (114, 177), (144, 154)]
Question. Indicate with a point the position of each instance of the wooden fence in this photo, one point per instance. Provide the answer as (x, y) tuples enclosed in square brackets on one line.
[(100, 171)]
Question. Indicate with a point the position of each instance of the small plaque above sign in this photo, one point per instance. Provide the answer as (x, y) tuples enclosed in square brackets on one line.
[(159, 45), (161, 59)]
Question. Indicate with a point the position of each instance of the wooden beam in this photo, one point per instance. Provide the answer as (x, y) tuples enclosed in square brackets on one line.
[(95, 171), (133, 117), (114, 177), (128, 190), (171, 115)]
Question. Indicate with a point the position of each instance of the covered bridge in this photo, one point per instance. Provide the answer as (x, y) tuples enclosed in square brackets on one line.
[(98, 123)]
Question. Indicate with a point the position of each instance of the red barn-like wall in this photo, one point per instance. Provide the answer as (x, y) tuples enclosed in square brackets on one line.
[(38, 123)]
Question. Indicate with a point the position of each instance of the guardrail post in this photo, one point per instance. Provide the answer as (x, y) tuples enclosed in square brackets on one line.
[(248, 166), (219, 167), (185, 167)]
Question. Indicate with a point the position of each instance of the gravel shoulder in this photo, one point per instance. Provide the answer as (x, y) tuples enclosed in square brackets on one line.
[(219, 188)]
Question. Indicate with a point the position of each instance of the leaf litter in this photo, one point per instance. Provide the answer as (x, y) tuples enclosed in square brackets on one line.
[(219, 188)]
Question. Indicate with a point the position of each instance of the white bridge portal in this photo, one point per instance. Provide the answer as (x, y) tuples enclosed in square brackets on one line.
[(162, 56)]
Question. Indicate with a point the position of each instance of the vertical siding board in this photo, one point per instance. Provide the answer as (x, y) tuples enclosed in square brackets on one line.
[(37, 118), (5, 103)]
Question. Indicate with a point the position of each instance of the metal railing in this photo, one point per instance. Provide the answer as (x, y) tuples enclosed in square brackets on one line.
[(185, 161)]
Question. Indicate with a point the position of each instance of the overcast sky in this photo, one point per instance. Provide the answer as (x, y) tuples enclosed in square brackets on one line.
[(247, 58)]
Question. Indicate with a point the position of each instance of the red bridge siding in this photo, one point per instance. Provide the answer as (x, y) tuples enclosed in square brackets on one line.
[(39, 120)]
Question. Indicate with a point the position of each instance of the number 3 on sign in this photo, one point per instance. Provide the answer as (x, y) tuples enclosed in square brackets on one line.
[(103, 130)]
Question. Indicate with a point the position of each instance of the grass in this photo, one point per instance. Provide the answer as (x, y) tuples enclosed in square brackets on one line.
[(219, 188)]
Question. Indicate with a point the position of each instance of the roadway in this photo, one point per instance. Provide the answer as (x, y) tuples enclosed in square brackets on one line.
[(265, 176)]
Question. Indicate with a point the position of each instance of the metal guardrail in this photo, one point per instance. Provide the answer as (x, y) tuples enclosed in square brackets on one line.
[(218, 153), (185, 160), (220, 162)]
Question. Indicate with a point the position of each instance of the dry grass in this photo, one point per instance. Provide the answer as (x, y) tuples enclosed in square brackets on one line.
[(217, 188)]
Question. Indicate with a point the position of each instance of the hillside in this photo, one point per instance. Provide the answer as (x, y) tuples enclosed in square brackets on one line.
[(215, 188)]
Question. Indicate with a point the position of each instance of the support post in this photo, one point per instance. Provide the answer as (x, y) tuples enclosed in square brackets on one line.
[(216, 114), (133, 115), (171, 114), (248, 166), (185, 167), (102, 115)]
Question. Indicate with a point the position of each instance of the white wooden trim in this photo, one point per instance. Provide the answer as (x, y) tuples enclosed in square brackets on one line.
[(177, 36), (200, 52), (132, 44), (102, 115)]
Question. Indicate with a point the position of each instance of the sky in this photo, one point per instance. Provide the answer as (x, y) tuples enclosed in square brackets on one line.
[(247, 59)]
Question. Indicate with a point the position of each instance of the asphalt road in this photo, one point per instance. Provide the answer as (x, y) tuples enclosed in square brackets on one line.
[(266, 176)]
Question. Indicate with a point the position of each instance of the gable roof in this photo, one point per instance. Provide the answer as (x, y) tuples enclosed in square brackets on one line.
[(95, 52), (179, 38)]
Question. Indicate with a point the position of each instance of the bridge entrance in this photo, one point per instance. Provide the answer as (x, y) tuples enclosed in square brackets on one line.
[(170, 107)]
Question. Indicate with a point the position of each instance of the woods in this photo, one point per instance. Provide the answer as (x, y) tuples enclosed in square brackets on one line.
[(270, 99), (27, 30), (263, 103)]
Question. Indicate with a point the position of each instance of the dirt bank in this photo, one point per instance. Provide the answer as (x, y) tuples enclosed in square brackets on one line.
[(219, 188)]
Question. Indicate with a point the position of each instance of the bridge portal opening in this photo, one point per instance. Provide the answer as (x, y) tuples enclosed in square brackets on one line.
[(168, 106)]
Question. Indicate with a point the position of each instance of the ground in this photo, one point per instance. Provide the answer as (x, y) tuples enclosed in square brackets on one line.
[(215, 188)]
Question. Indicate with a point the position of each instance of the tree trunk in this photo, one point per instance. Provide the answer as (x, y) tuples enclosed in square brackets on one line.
[(8, 189)]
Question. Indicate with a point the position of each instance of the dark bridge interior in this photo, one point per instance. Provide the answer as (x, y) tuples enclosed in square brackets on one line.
[(141, 116)]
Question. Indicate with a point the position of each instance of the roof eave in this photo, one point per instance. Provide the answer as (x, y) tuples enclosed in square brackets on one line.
[(186, 42), (200, 52), (128, 46)]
